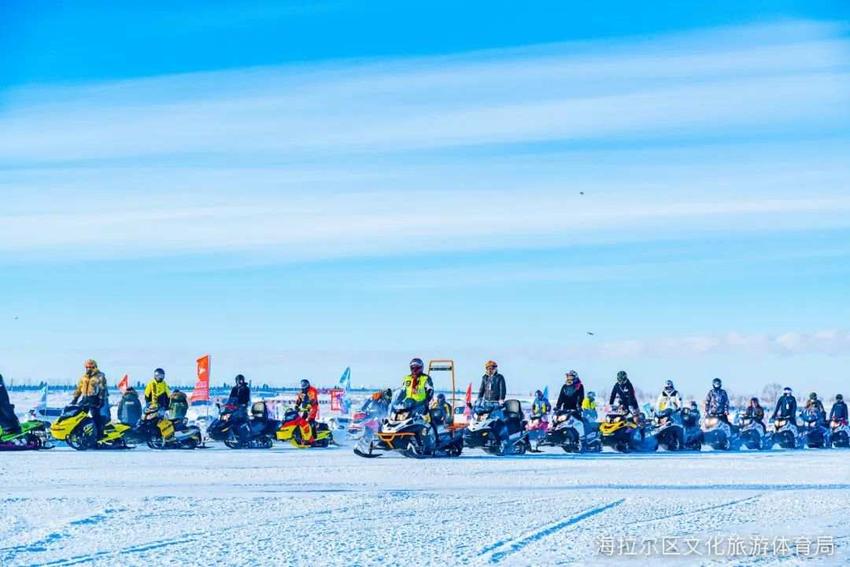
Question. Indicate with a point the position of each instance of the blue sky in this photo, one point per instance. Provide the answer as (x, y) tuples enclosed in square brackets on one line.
[(307, 186)]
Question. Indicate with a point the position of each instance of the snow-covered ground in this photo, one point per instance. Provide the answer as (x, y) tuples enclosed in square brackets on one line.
[(329, 507)]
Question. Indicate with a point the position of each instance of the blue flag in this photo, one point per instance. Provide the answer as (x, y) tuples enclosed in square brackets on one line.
[(42, 403), (345, 379), (546, 392)]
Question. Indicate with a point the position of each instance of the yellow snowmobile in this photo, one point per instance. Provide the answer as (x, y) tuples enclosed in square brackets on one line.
[(76, 428), (298, 431)]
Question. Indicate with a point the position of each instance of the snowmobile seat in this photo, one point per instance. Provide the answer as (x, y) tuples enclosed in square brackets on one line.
[(260, 411), (513, 410)]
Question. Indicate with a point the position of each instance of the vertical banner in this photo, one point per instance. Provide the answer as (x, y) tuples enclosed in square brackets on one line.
[(467, 411), (42, 402), (124, 383), (201, 392)]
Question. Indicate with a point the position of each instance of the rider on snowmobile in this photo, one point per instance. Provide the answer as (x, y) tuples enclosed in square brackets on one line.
[(178, 405), (838, 412), (441, 411), (9, 422), (690, 414), (157, 392), (572, 394), (755, 412), (493, 387), (540, 407), (91, 388), (379, 402), (717, 401), (307, 403), (625, 392), (417, 387), (588, 407), (669, 398), (815, 406), (240, 393), (786, 406)]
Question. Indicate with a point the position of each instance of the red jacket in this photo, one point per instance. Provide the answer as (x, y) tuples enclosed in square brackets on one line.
[(311, 400)]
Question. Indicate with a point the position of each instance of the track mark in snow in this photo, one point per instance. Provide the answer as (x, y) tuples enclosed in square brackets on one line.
[(42, 544), (142, 547), (698, 510), (513, 546)]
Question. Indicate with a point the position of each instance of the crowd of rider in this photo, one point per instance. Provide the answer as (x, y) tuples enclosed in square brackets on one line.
[(417, 390)]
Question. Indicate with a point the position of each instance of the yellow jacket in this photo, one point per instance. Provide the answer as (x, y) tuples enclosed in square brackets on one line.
[(155, 390), (90, 385), (586, 404)]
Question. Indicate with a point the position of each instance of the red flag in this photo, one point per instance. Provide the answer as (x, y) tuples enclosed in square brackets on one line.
[(201, 392), (468, 408), (124, 383)]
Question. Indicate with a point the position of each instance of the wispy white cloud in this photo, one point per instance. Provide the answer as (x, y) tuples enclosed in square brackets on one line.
[(312, 181)]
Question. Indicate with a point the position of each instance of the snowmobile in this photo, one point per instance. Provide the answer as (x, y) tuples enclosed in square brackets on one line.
[(297, 430), (786, 434), (537, 428), (498, 429), (163, 433), (17, 436), (29, 435), (230, 415), (412, 434), (816, 435), (365, 423), (753, 434), (668, 430), (76, 428), (691, 430), (839, 433), (719, 434), (624, 433), (573, 435), (258, 432)]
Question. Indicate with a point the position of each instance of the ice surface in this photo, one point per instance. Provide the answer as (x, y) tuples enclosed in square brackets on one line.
[(329, 507)]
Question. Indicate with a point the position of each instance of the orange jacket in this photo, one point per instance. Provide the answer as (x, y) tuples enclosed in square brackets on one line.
[(309, 403)]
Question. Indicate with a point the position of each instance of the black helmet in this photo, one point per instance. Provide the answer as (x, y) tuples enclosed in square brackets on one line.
[(716, 383), (304, 385), (441, 397), (839, 397), (240, 379), (538, 394), (388, 393), (668, 385), (787, 390), (159, 374), (417, 363), (622, 376), (813, 396)]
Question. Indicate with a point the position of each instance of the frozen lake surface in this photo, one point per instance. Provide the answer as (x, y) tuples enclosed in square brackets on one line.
[(330, 507)]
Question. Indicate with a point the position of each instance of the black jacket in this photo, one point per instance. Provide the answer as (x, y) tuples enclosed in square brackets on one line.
[(241, 394), (755, 413), (492, 388), (626, 393), (786, 408), (571, 397), (838, 411), (8, 420), (130, 408)]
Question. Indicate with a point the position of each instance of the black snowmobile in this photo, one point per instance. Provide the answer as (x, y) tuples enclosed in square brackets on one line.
[(817, 435), (668, 430), (498, 429), (574, 435), (160, 432), (754, 435), (258, 432)]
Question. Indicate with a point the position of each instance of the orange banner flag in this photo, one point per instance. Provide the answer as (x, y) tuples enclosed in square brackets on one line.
[(124, 383), (201, 392)]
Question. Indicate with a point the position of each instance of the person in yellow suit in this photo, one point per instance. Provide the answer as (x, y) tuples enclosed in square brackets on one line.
[(588, 407), (91, 391), (669, 398), (157, 392), (417, 386)]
